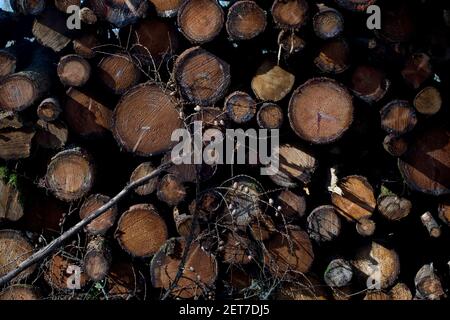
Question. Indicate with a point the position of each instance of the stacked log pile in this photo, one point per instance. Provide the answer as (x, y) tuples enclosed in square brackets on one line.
[(92, 207)]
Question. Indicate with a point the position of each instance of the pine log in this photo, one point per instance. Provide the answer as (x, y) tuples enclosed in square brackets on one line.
[(20, 292), (377, 266), (444, 211), (11, 202), (141, 171), (398, 117), (70, 174), (296, 166), (207, 206), (293, 205), (431, 224), (365, 227), (425, 167), (321, 120), (203, 78), (58, 275), (290, 42), (200, 21), (28, 7), (270, 116), (395, 146), (166, 8), (428, 285), (97, 260), (118, 73), (86, 115), (240, 107), (85, 44), (50, 30), (272, 83), (103, 223), (62, 5), (417, 70), (185, 224), (88, 16), (119, 12), (141, 231), (400, 292), (369, 83), (339, 273), (324, 224), (290, 14), (73, 70), (198, 275), (49, 109), (144, 120), (357, 199), (333, 57), (428, 101), (328, 23), (290, 253), (16, 144), (51, 135), (393, 207), (14, 249), (245, 20), (355, 5), (171, 190)]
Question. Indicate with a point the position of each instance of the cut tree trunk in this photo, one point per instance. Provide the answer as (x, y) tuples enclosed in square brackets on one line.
[(324, 224), (118, 73), (50, 30), (240, 107), (49, 109), (14, 249), (74, 70), (119, 12), (141, 171), (166, 8), (200, 21), (393, 207), (16, 144), (365, 227), (400, 292), (185, 224), (51, 135), (428, 284), (357, 199), (428, 101), (290, 14), (198, 274), (290, 43), (171, 190), (70, 174), (398, 117), (272, 83), (270, 116), (394, 145), (11, 206), (328, 23), (58, 273), (369, 83), (97, 260), (141, 231), (20, 292), (321, 120), (202, 77), (431, 224), (145, 119), (245, 20), (338, 274), (124, 281), (28, 7), (293, 205), (333, 57), (103, 223)]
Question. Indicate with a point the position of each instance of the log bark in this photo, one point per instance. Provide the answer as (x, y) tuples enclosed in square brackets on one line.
[(73, 70), (333, 57), (70, 174), (141, 231), (97, 260), (118, 72), (428, 101), (320, 120), (240, 107), (141, 171), (395, 146), (16, 144), (144, 120), (50, 30), (49, 109), (119, 13), (324, 224), (245, 20), (398, 118), (202, 77), (328, 23), (290, 14), (272, 83), (338, 274), (200, 21), (369, 83), (102, 224)]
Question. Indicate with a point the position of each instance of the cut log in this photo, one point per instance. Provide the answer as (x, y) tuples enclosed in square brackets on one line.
[(290, 14), (50, 29), (355, 5), (51, 135), (293, 205), (60, 273), (14, 249), (428, 285), (49, 109), (124, 281), (73, 70), (333, 57), (97, 259), (290, 253), (145, 119), (240, 107), (444, 211), (28, 7), (428, 101), (272, 83), (393, 207), (237, 249), (395, 146), (185, 224), (245, 20), (85, 115), (62, 5), (296, 166), (171, 190), (16, 144), (20, 292), (141, 231), (8, 62), (425, 167), (118, 73), (369, 84), (377, 266), (200, 21), (377, 295), (207, 206), (70, 174), (11, 202), (166, 8), (320, 110), (328, 23), (397, 22), (417, 70), (339, 273), (324, 224), (357, 200), (85, 44), (365, 227), (119, 12), (431, 224), (290, 42), (141, 171), (270, 116), (398, 117), (103, 223), (19, 91), (400, 292), (203, 78), (88, 16)]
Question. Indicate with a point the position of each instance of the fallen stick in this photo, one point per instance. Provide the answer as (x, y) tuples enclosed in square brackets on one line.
[(58, 242)]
